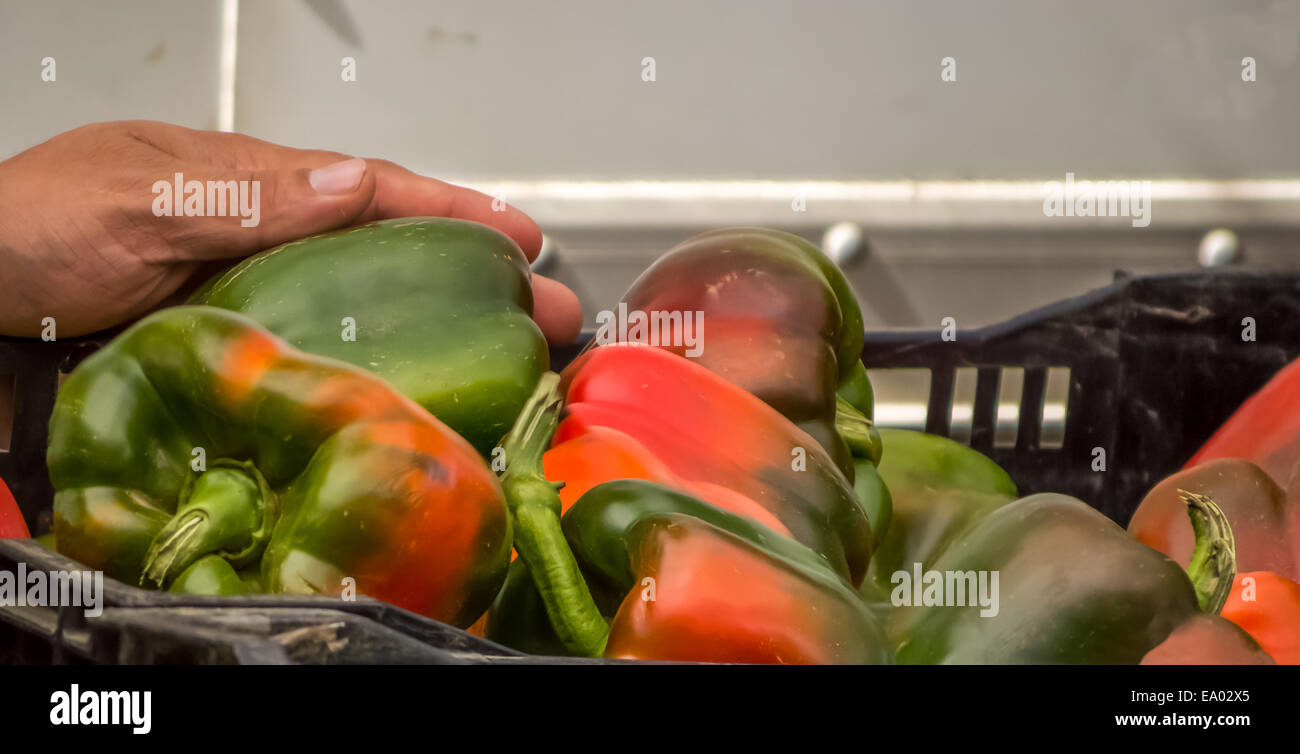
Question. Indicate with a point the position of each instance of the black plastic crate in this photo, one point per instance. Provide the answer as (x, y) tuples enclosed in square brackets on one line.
[(1156, 363), (145, 626)]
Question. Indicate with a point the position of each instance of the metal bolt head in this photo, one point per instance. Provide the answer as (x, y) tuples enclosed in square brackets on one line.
[(1219, 247), (844, 242)]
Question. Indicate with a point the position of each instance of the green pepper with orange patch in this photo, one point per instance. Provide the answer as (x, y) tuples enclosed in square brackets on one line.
[(198, 452)]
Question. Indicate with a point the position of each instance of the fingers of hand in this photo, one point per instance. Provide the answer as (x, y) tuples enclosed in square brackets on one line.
[(556, 310), (401, 193)]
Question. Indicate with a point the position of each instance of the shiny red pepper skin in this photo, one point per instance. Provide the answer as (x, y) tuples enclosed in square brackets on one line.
[(708, 431), (1265, 520), (12, 525)]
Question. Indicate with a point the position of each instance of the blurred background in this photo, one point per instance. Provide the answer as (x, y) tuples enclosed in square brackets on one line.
[(912, 139)]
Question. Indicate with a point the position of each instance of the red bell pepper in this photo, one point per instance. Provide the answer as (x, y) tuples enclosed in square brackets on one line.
[(1249, 467), (685, 422), (601, 454), (1265, 521), (12, 525)]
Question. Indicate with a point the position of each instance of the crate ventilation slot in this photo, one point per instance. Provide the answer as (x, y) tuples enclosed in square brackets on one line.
[(986, 407)]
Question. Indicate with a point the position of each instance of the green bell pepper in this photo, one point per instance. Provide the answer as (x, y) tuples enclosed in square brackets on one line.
[(440, 308), (937, 489), (863, 440), (213, 574)]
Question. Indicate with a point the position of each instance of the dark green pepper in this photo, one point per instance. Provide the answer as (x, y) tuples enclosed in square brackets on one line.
[(864, 444), (1064, 584), (937, 489), (440, 308)]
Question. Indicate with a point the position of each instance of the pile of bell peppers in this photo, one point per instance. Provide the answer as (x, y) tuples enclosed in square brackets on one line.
[(372, 410), (679, 531)]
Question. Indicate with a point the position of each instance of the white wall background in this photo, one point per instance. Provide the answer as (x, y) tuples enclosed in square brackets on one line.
[(519, 93), (775, 89), (114, 61), (784, 89)]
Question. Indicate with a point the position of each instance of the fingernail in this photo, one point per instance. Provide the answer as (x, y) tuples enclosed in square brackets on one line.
[(339, 178)]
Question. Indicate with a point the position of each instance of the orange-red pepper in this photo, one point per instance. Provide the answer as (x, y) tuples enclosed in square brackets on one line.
[(1265, 520), (12, 525), (1268, 607), (703, 435), (601, 454)]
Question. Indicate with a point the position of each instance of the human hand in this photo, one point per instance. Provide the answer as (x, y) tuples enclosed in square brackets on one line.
[(79, 240)]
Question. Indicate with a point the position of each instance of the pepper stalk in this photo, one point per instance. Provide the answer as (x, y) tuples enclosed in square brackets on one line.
[(535, 512), (228, 509), (1213, 565), (857, 430)]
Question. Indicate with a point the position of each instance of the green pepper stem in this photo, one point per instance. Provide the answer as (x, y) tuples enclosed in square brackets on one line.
[(857, 430), (1213, 565), (535, 509), (228, 509)]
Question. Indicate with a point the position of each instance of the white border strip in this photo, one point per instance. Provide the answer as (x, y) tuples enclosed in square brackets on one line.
[(226, 72), (901, 204)]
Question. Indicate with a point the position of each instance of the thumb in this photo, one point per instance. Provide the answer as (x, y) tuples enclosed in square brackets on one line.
[(279, 205)]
